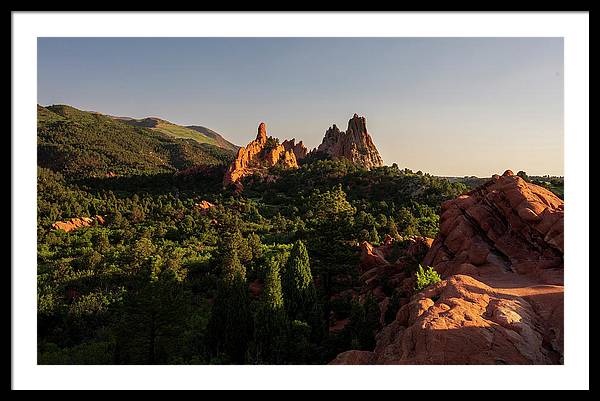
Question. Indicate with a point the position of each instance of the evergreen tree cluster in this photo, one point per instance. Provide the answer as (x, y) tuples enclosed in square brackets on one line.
[(278, 328)]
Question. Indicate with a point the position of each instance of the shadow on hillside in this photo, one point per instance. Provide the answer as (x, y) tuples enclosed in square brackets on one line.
[(158, 184)]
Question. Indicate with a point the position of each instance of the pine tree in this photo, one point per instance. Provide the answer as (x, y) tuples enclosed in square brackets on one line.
[(298, 286), (230, 322), (364, 322), (371, 323), (393, 229), (299, 346), (270, 324), (255, 245), (153, 318), (374, 236), (357, 317)]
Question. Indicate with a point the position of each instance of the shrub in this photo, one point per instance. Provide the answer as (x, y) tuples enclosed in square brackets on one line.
[(425, 278)]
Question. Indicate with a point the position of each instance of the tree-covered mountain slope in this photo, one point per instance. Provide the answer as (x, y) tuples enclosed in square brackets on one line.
[(84, 144)]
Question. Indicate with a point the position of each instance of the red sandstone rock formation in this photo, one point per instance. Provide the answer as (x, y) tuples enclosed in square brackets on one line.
[(299, 149), (77, 222), (355, 144), (505, 224), (372, 256), (256, 157), (204, 206), (338, 325), (464, 321), (500, 252), (353, 358)]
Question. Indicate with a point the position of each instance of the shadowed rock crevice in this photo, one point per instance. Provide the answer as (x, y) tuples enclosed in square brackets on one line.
[(507, 264)]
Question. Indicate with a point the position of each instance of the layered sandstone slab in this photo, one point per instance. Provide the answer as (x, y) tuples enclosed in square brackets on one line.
[(77, 222), (507, 224)]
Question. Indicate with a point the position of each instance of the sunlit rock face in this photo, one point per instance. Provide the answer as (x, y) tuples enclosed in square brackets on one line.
[(78, 222), (257, 156), (507, 224), (463, 321), (300, 151), (355, 144)]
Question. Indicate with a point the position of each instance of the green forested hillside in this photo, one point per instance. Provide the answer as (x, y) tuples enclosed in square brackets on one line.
[(83, 144)]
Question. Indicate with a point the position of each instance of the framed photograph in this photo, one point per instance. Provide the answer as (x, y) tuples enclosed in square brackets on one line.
[(252, 200)]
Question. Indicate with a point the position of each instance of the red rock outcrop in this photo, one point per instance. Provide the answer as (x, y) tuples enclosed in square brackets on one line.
[(258, 156), (372, 256), (500, 252), (353, 358), (204, 206), (300, 151), (77, 222), (355, 144), (505, 224), (338, 325), (464, 321)]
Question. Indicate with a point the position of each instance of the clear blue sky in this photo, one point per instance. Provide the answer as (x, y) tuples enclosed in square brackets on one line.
[(448, 106)]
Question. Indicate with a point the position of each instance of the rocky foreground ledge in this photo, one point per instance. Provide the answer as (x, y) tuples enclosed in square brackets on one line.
[(500, 254)]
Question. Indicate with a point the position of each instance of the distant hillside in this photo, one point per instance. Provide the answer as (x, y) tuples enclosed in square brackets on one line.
[(80, 143), (221, 142), (552, 183), (470, 181), (197, 133)]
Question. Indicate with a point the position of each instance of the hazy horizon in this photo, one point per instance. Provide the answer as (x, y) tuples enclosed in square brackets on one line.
[(445, 106)]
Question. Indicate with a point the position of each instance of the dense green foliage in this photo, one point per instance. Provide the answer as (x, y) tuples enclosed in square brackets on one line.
[(271, 320), (164, 281), (364, 322), (298, 285), (230, 324), (425, 278)]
